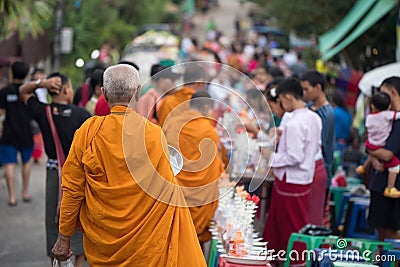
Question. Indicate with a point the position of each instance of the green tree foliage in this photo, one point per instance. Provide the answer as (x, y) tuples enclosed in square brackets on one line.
[(312, 18), (142, 12), (24, 16), (98, 21), (306, 17), (382, 37)]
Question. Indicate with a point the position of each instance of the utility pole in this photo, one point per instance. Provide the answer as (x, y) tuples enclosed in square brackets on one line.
[(398, 33), (57, 36)]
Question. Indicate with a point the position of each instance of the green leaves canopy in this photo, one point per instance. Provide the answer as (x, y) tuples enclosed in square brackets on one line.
[(97, 21), (307, 17), (25, 16)]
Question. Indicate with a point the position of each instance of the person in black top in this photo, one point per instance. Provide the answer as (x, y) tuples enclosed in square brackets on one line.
[(17, 133), (67, 119), (384, 212)]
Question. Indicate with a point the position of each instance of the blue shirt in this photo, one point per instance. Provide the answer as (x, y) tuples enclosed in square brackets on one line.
[(342, 123), (327, 135), (378, 180)]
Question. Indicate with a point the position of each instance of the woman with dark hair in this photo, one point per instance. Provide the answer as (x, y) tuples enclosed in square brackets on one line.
[(271, 94), (342, 123), (293, 166)]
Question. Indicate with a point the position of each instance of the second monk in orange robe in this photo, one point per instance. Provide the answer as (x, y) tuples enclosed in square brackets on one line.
[(194, 78), (193, 134)]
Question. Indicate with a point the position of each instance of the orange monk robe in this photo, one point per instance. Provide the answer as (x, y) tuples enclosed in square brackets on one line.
[(182, 96), (197, 139), (123, 224)]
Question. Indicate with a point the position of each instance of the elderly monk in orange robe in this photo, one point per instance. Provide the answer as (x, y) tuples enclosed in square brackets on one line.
[(193, 134), (194, 78), (118, 186)]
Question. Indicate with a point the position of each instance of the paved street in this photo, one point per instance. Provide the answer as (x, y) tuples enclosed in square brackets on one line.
[(22, 239), (22, 230), (224, 17)]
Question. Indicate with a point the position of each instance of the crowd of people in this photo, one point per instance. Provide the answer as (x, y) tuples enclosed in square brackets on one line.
[(111, 195)]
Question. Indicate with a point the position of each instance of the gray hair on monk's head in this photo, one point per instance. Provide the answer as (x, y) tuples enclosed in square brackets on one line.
[(121, 83)]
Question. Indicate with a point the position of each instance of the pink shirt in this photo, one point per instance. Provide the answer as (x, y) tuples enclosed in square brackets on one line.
[(379, 126), (147, 103), (298, 147)]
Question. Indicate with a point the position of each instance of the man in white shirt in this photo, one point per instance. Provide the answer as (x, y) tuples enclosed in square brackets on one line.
[(293, 166)]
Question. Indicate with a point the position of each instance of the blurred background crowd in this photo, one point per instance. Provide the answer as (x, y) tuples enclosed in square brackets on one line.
[(262, 42)]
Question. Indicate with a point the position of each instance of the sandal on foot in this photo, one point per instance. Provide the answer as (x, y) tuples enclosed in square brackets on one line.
[(392, 193), (27, 200), (12, 204), (360, 170)]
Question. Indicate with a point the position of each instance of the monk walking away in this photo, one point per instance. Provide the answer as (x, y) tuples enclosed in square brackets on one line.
[(194, 78), (123, 225), (193, 133)]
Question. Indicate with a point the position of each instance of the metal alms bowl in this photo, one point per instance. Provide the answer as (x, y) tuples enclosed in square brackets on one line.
[(176, 159)]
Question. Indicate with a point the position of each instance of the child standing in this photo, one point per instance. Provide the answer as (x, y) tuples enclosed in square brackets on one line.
[(379, 125)]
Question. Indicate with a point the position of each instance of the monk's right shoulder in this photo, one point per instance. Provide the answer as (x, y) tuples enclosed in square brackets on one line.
[(154, 133)]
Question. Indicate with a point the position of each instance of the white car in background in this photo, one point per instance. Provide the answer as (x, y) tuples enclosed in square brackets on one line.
[(152, 45)]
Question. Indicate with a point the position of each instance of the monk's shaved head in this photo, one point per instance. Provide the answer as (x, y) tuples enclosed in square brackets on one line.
[(201, 101), (121, 83)]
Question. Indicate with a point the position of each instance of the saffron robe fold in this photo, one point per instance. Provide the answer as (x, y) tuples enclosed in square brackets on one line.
[(123, 224), (195, 137), (182, 96)]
